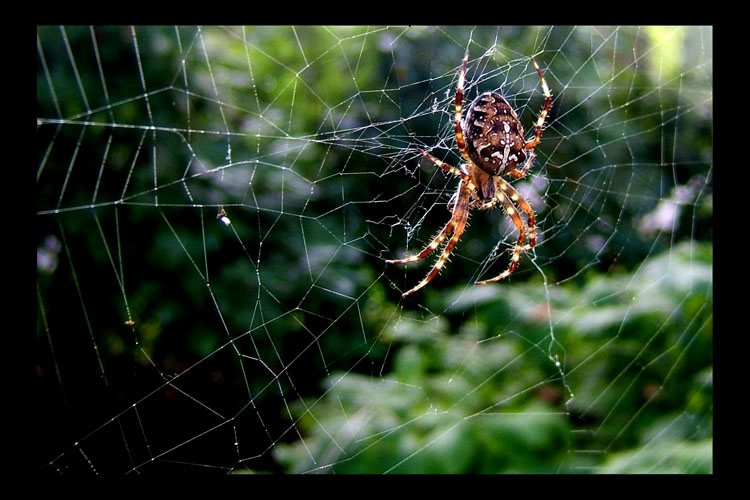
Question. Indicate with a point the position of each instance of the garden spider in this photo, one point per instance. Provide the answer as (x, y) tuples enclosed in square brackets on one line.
[(491, 140)]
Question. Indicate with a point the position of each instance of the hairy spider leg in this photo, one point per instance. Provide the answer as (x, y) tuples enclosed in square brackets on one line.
[(543, 115), (448, 168), (447, 230), (451, 225), (456, 225), (461, 215), (515, 197), (519, 200), (460, 141), (519, 248)]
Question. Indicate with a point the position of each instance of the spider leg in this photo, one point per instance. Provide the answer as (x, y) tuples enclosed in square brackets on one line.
[(460, 141), (516, 198), (488, 205), (460, 216), (543, 115), (507, 195), (465, 188), (447, 230), (446, 167)]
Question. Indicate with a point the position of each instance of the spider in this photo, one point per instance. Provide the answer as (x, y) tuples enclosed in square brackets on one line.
[(491, 140)]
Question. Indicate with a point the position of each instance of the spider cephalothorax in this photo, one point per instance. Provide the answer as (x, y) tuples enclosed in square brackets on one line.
[(491, 140)]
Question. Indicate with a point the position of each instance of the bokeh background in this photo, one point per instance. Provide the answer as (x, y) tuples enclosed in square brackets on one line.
[(170, 342)]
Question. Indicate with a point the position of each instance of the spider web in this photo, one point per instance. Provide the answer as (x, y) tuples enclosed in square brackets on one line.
[(215, 206)]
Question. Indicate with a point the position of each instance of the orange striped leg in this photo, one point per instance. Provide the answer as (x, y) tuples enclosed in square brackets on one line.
[(519, 248), (460, 141), (516, 198), (543, 115), (461, 215), (447, 230), (452, 170), (446, 167)]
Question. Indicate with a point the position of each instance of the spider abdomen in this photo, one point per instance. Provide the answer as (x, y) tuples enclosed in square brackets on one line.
[(494, 135)]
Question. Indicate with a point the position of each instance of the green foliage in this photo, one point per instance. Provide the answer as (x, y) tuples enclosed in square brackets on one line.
[(635, 351), (675, 457)]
